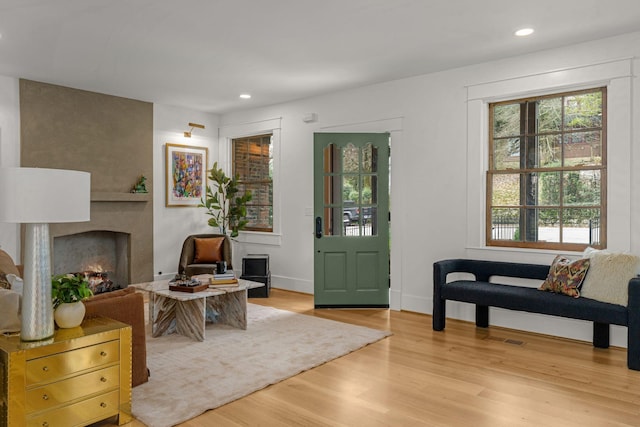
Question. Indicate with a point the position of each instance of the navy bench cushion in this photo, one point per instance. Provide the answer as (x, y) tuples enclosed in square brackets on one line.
[(534, 301)]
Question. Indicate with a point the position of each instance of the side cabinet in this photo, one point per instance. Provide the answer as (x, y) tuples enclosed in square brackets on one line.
[(255, 267), (80, 376)]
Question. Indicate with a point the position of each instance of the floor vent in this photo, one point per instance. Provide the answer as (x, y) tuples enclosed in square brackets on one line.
[(505, 340)]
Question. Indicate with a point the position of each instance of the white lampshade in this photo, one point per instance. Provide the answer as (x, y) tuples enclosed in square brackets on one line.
[(38, 195)]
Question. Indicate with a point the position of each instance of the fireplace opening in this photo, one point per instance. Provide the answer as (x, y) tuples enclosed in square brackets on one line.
[(103, 256)]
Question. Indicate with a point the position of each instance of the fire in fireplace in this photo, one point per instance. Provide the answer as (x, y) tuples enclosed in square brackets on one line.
[(102, 256)]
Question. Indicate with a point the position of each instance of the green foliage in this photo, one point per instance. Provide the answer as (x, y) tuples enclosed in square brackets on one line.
[(577, 191), (67, 288), (224, 203)]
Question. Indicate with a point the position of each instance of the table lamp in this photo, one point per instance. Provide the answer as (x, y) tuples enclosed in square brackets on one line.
[(37, 197)]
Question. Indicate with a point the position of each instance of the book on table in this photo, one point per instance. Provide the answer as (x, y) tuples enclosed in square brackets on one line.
[(223, 279)]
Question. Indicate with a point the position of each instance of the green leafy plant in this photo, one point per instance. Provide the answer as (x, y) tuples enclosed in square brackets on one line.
[(68, 288), (225, 202)]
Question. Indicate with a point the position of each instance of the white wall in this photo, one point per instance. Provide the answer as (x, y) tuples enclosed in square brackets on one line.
[(171, 225), (430, 175), (9, 153), (429, 169)]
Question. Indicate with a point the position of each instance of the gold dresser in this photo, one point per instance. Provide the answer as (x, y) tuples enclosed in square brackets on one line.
[(80, 376)]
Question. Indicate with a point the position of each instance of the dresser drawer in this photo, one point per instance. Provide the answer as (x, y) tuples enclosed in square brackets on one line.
[(81, 413), (60, 392), (51, 368)]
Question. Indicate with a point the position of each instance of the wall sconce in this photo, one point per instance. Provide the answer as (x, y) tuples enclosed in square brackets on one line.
[(193, 126)]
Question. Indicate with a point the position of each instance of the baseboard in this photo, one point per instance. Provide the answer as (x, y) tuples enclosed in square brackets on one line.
[(292, 284)]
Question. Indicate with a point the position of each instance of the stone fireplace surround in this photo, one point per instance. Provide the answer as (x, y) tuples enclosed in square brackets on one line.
[(110, 137), (114, 238), (93, 252)]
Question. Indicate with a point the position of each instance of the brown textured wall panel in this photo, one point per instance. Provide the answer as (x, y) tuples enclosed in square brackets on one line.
[(110, 137)]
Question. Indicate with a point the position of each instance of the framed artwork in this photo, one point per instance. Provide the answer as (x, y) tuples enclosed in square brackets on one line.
[(186, 174)]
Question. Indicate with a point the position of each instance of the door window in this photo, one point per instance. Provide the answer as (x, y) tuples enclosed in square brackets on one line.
[(350, 190)]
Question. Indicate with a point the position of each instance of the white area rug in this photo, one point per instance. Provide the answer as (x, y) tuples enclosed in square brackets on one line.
[(189, 377)]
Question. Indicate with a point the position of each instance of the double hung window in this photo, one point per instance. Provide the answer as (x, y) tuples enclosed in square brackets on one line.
[(546, 181), (253, 164)]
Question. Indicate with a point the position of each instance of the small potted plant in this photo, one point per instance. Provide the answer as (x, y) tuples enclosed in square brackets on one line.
[(68, 291)]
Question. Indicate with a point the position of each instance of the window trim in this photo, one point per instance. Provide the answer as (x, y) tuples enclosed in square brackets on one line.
[(617, 76), (233, 166), (226, 133), (602, 168)]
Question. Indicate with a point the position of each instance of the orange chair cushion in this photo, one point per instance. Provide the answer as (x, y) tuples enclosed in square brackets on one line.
[(208, 250)]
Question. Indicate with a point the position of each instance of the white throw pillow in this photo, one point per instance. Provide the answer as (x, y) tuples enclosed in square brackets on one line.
[(16, 283), (608, 276)]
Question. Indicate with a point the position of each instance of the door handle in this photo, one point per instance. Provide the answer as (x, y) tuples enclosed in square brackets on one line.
[(318, 227)]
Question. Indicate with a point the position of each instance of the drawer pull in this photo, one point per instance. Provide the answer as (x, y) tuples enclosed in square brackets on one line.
[(103, 405), (103, 379), (45, 397), (103, 353), (45, 424), (45, 368)]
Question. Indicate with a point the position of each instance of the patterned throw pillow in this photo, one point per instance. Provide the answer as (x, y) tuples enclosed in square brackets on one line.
[(4, 282), (566, 276)]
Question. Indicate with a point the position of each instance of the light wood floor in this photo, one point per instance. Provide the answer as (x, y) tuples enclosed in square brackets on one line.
[(460, 377)]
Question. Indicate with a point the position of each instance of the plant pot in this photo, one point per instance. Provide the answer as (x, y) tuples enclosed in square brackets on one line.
[(69, 315)]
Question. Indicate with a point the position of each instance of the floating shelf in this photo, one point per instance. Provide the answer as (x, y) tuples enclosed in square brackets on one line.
[(113, 196)]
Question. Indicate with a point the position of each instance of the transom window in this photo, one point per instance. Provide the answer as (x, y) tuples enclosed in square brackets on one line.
[(546, 182), (253, 164)]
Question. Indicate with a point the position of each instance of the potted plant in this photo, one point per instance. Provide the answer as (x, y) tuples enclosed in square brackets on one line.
[(68, 291), (224, 203)]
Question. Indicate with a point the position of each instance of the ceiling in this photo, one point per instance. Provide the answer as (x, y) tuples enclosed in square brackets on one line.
[(202, 54)]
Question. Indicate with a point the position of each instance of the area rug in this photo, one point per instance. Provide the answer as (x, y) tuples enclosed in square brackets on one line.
[(190, 377)]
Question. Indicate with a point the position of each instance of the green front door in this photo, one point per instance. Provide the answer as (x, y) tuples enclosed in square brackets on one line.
[(351, 211)]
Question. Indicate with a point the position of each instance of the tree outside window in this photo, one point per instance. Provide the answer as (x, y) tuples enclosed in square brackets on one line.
[(546, 183)]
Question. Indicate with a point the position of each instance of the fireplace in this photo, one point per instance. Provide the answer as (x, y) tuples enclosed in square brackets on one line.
[(94, 252), (111, 137), (118, 239)]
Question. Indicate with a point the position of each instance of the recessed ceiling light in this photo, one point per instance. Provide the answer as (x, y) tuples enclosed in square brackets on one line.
[(524, 32), (245, 96)]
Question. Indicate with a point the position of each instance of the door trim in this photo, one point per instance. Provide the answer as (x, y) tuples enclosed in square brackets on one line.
[(393, 126)]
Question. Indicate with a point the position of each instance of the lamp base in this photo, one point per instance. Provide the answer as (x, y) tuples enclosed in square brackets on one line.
[(37, 307)]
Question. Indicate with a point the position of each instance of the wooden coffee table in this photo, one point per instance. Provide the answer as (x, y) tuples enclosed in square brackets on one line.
[(187, 313)]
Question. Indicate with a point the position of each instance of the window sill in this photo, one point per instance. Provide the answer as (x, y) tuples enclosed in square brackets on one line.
[(533, 256), (259, 238)]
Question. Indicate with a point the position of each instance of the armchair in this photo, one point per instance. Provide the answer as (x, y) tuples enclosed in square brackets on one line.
[(200, 252), (126, 306)]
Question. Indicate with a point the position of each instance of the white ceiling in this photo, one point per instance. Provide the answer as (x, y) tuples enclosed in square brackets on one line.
[(202, 54)]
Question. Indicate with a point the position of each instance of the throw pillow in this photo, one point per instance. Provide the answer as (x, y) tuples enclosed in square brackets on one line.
[(4, 281), (208, 250), (566, 276), (609, 275), (10, 309), (16, 282)]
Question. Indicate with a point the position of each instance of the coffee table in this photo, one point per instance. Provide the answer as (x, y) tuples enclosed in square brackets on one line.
[(187, 313)]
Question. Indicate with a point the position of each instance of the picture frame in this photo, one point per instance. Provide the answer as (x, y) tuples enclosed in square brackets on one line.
[(186, 174)]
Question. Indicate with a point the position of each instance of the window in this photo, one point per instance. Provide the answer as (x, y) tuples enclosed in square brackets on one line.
[(546, 182), (253, 164)]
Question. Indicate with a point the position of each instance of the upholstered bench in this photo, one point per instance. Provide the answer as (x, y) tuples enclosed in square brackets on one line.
[(484, 294)]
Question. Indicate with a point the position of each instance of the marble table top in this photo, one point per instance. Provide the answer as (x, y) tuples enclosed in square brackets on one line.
[(161, 287)]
